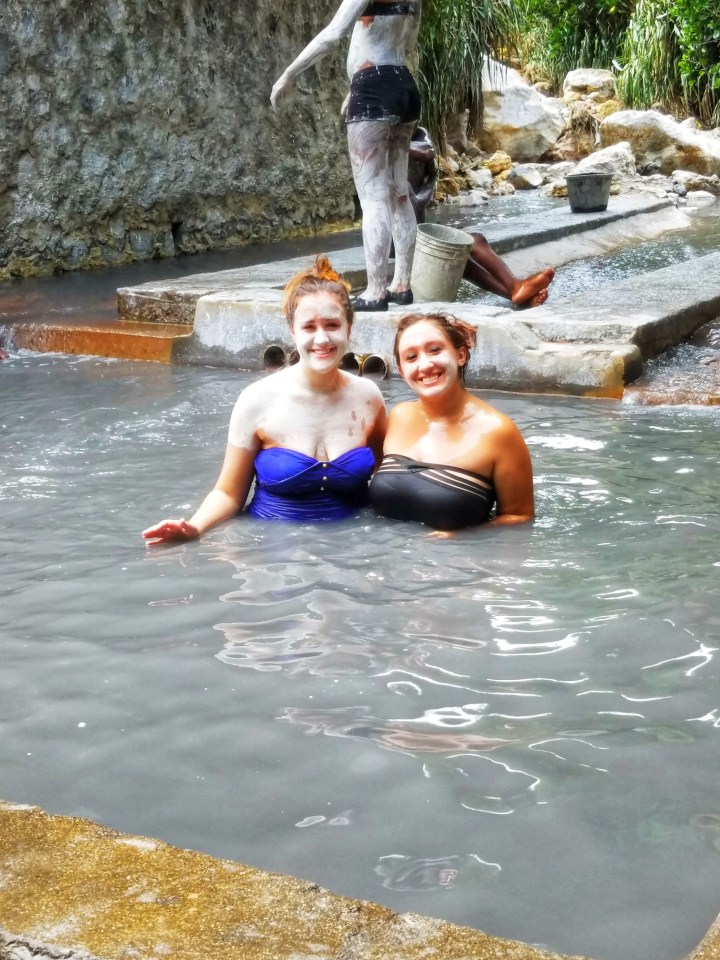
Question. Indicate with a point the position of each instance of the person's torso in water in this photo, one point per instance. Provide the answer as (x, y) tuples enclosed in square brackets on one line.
[(381, 40)]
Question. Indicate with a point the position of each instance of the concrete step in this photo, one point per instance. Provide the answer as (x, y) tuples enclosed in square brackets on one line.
[(174, 301), (652, 310), (592, 344), (112, 338)]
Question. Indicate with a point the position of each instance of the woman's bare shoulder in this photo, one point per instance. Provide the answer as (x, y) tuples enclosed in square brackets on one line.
[(364, 389), (496, 419), (257, 397), (405, 411)]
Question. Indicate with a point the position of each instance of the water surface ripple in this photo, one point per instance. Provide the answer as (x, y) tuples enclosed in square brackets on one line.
[(513, 729)]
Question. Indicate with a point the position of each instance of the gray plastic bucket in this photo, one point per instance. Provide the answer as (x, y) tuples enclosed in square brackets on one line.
[(440, 256), (588, 192)]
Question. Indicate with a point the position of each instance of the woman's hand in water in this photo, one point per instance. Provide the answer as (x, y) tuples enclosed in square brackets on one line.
[(168, 531)]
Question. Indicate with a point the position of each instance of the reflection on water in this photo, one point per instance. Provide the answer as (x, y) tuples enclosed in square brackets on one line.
[(405, 873), (515, 729)]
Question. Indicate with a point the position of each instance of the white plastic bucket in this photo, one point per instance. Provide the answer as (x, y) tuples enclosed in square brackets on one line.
[(440, 256)]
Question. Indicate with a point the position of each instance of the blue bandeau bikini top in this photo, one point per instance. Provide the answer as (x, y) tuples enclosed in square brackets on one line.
[(290, 485)]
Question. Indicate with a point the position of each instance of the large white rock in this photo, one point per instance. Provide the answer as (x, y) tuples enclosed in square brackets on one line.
[(699, 198), (481, 178), (618, 159), (661, 144), (526, 176), (582, 83), (516, 118), (696, 181)]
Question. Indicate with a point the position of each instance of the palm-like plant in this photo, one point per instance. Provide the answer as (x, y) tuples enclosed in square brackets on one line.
[(650, 57), (671, 56), (455, 38)]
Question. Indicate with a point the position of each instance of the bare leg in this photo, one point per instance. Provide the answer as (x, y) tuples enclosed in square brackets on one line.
[(485, 269), (483, 278), (368, 144), (404, 222)]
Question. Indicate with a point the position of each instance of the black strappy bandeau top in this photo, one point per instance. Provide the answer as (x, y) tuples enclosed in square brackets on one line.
[(376, 8), (443, 497)]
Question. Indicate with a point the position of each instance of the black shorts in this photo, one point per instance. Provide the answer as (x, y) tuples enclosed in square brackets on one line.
[(386, 92)]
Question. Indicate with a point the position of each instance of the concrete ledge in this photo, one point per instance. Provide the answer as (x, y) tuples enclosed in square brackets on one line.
[(124, 341), (230, 331), (573, 346), (590, 344), (652, 311), (174, 301), (73, 890), (521, 232)]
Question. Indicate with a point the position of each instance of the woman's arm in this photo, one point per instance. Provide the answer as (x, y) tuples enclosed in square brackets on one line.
[(225, 500), (340, 25), (513, 478), (230, 492)]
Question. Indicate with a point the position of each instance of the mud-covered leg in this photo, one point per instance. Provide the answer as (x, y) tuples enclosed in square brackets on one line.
[(368, 144), (404, 222)]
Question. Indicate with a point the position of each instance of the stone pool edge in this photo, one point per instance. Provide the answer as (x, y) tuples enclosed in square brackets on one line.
[(71, 889), (592, 344)]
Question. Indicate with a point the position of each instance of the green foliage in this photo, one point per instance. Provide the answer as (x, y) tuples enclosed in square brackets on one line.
[(568, 34), (698, 26), (667, 51), (455, 38), (671, 57), (650, 56)]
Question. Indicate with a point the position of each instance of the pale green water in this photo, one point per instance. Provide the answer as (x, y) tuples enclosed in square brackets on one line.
[(516, 730)]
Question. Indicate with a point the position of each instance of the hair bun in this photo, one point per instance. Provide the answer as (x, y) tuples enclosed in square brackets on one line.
[(324, 271), (319, 276)]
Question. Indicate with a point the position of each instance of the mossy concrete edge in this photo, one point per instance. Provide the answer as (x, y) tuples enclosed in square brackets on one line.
[(71, 889)]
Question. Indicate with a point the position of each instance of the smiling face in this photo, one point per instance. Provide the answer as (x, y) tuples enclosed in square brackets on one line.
[(321, 330), (429, 362)]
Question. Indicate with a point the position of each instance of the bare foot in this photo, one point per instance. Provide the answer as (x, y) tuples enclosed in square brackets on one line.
[(532, 286), (535, 301)]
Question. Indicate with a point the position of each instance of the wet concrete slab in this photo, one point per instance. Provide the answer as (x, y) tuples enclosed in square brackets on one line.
[(652, 311), (518, 233), (593, 343), (589, 345), (174, 301), (235, 332), (118, 339), (71, 889)]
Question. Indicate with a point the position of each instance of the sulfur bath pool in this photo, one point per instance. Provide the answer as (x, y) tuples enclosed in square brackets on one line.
[(516, 729)]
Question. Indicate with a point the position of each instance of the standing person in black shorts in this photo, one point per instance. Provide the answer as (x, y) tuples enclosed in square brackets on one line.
[(381, 112)]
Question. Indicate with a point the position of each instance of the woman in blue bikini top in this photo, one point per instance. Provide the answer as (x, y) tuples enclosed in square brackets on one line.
[(449, 456), (310, 434)]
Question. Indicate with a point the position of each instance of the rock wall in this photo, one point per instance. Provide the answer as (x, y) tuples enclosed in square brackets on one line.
[(140, 128)]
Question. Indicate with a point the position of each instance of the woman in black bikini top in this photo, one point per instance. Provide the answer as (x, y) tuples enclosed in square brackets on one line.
[(448, 457)]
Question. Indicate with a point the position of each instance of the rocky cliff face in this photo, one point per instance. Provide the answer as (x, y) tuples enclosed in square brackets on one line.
[(140, 128)]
